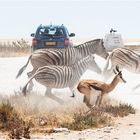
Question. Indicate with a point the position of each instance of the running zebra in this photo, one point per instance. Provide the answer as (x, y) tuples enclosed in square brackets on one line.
[(67, 56), (124, 58), (60, 76)]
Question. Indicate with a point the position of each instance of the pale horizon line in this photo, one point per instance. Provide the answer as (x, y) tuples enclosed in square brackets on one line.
[(76, 39)]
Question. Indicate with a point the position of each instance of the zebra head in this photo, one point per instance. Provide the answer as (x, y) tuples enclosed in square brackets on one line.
[(100, 49), (93, 65)]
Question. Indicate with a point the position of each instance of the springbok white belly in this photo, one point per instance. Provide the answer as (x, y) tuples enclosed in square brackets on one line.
[(93, 96)]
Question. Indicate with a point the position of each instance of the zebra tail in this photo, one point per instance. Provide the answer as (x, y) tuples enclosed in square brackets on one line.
[(23, 68), (25, 87)]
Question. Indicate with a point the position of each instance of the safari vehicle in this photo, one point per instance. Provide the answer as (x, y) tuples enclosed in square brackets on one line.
[(113, 40), (51, 36)]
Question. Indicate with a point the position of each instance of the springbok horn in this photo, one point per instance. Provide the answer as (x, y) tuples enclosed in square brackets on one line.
[(114, 71), (117, 68)]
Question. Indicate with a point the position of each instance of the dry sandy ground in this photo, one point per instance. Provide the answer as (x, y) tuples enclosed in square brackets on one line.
[(125, 128)]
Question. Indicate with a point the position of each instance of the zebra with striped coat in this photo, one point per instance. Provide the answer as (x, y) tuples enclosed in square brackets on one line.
[(60, 76), (125, 59), (67, 56)]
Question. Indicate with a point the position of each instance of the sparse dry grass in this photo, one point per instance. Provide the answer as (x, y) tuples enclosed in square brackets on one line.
[(12, 121), (120, 111), (15, 48), (98, 117), (73, 118), (9, 119), (85, 121)]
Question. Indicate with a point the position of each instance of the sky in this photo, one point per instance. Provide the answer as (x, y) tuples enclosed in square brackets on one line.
[(86, 18)]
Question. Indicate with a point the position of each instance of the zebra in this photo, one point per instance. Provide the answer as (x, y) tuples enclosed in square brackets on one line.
[(124, 58), (67, 56), (60, 76)]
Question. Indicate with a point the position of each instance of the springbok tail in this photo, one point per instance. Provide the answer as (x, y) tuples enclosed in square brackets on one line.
[(23, 68)]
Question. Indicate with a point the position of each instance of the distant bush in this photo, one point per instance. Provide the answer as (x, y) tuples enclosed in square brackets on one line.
[(15, 48)]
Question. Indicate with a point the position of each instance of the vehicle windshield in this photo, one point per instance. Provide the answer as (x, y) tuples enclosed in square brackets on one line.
[(51, 31)]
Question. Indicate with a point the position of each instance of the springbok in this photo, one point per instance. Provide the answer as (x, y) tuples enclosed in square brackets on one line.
[(92, 87)]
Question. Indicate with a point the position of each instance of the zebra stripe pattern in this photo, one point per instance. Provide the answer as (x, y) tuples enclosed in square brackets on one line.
[(124, 58), (60, 76), (67, 56)]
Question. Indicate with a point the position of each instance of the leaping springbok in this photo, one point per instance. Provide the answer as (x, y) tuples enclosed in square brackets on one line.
[(91, 87)]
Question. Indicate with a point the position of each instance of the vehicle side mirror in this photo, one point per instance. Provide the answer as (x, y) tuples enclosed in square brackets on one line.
[(72, 34), (32, 34)]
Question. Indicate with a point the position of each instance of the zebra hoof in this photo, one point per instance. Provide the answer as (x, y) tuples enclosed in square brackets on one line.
[(72, 96)]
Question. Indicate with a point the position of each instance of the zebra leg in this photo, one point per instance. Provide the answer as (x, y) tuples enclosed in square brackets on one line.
[(50, 95)]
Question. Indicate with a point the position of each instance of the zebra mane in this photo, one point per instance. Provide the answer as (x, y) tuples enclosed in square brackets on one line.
[(98, 39), (87, 42)]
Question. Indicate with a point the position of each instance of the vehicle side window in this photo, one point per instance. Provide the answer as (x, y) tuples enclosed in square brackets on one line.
[(43, 31)]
